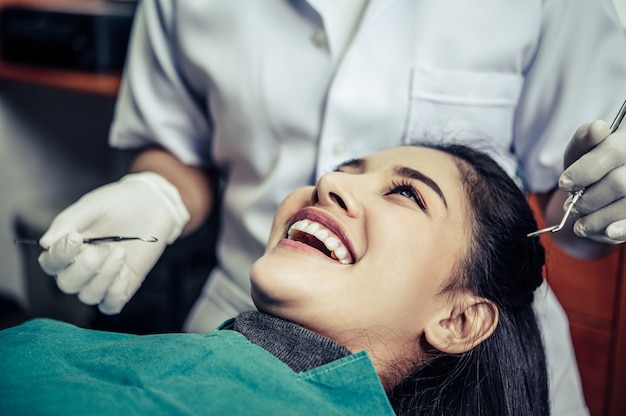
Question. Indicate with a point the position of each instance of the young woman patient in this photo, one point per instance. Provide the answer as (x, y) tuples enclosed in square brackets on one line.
[(401, 282)]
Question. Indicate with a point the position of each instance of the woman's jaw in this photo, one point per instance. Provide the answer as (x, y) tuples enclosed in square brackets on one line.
[(370, 243), (365, 253)]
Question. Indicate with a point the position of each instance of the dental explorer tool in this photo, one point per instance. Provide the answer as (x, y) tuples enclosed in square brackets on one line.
[(96, 240), (576, 195)]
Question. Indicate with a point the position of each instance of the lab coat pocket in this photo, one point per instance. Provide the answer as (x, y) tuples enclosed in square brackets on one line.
[(462, 106)]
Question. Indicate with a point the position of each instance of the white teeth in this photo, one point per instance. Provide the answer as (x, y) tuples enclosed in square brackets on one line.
[(321, 234), (331, 242), (300, 225), (312, 228), (341, 252)]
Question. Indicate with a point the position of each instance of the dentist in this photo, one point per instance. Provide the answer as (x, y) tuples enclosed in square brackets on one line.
[(271, 95)]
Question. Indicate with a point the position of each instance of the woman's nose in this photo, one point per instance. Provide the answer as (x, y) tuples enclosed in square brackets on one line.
[(338, 189)]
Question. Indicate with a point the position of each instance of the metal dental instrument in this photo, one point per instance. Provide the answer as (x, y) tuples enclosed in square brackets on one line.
[(96, 240), (576, 195), (559, 226)]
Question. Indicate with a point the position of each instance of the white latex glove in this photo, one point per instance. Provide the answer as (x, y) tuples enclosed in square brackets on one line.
[(596, 161), (108, 274)]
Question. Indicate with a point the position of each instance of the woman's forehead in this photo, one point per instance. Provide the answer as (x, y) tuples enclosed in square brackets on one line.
[(425, 158)]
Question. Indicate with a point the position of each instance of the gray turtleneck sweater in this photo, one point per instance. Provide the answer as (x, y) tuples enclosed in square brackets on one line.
[(298, 347)]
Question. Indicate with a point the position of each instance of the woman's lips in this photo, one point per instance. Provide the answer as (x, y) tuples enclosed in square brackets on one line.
[(318, 230)]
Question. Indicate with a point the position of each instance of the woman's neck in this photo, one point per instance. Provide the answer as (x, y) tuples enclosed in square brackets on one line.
[(393, 357)]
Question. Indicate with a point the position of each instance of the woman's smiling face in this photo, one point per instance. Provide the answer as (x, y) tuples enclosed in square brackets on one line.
[(368, 250)]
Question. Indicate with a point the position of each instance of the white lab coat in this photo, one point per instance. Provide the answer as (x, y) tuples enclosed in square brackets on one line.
[(265, 91)]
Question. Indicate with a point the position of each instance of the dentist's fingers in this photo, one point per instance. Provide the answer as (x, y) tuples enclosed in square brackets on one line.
[(592, 155), (617, 231), (119, 292), (96, 289), (608, 190), (61, 253), (595, 225), (85, 267), (61, 226)]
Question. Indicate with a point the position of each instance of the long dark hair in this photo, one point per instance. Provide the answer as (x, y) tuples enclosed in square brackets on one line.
[(505, 374)]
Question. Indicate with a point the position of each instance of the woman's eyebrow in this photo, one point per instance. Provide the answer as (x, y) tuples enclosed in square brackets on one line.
[(410, 173)]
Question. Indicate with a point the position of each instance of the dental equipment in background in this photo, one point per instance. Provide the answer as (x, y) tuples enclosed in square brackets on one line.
[(96, 240), (576, 195)]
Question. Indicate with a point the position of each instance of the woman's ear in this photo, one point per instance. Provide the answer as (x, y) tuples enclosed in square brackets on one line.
[(462, 326)]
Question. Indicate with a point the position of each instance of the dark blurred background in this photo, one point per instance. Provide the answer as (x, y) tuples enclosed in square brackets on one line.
[(60, 65)]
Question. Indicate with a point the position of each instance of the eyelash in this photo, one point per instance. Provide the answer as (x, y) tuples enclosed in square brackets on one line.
[(398, 187)]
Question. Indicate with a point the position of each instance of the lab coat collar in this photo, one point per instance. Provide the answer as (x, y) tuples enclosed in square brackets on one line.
[(373, 8), (332, 19)]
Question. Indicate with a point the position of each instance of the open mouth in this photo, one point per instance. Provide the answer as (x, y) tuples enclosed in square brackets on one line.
[(321, 238)]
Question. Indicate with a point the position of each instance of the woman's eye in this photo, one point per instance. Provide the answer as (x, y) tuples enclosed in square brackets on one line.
[(409, 192)]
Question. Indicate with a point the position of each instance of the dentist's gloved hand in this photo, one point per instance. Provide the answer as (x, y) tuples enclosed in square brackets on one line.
[(108, 274), (596, 161)]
